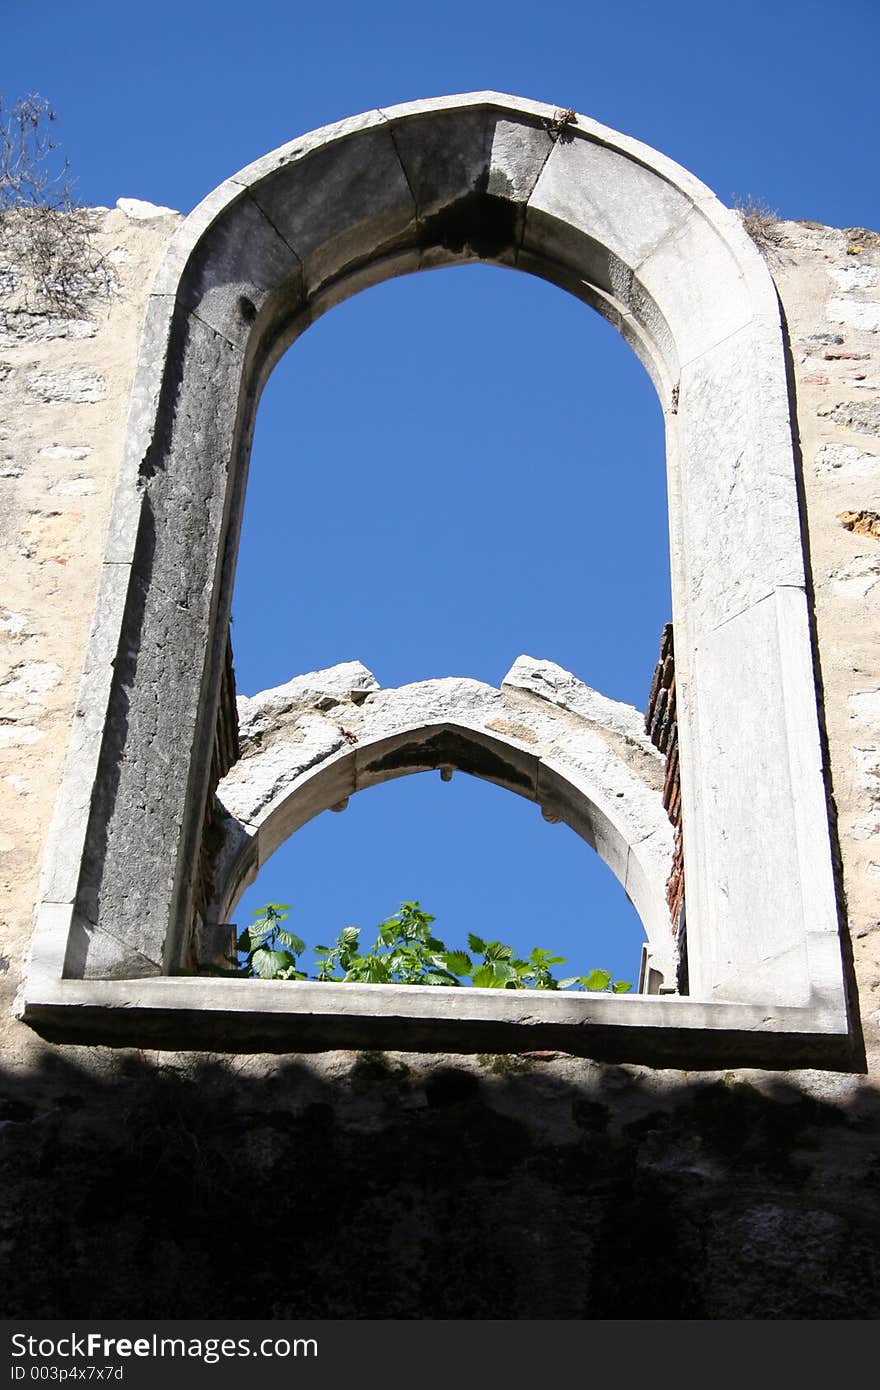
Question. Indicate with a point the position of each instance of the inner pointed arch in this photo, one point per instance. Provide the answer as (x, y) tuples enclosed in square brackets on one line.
[(311, 745)]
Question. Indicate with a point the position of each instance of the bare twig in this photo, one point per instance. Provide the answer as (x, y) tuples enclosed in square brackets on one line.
[(47, 254), (760, 221)]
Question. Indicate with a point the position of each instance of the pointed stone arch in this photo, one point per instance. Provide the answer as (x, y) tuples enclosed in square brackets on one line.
[(491, 178), (312, 744)]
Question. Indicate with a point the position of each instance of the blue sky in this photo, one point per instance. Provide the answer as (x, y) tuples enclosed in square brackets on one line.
[(484, 455)]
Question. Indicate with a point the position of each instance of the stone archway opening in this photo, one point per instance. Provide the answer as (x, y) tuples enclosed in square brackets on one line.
[(312, 744), (466, 493), (448, 469), (476, 858), (481, 177)]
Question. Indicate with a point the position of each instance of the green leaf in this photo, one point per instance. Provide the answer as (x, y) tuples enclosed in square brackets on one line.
[(414, 909), (476, 943), (376, 971), (268, 963), (459, 962), (596, 980), (621, 987), (496, 950), (494, 975), (253, 937), (293, 943), (544, 958), (484, 978), (567, 983), (350, 936), (271, 911)]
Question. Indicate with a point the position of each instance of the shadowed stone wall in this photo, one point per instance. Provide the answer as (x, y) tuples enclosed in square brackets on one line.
[(147, 1183)]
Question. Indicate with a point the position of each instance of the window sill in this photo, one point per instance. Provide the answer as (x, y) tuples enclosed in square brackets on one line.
[(263, 1015)]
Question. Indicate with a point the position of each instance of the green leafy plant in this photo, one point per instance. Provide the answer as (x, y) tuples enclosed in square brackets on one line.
[(269, 950), (405, 951), (501, 969)]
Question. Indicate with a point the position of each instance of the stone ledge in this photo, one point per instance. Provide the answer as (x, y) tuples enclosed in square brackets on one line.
[(264, 1015)]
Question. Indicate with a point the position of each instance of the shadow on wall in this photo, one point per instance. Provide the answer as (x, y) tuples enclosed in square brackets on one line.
[(388, 1186)]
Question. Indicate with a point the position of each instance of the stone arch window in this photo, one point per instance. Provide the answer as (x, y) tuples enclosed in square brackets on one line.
[(515, 183), (585, 760)]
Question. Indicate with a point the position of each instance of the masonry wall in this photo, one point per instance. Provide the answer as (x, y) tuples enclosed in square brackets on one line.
[(422, 1185)]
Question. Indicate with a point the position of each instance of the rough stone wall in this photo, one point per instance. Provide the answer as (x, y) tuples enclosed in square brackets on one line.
[(829, 282), (419, 1185), (64, 383)]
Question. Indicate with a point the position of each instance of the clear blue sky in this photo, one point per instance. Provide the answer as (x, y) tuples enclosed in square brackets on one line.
[(484, 454)]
